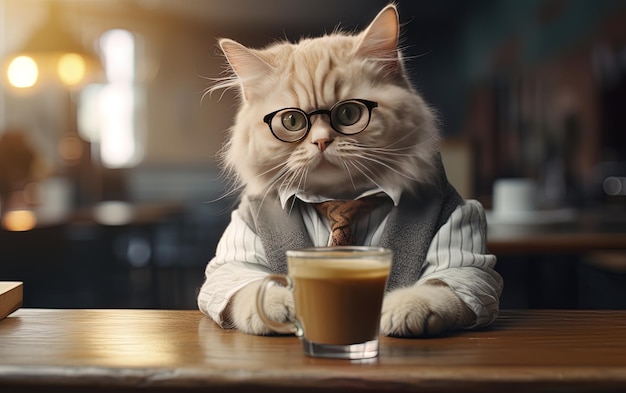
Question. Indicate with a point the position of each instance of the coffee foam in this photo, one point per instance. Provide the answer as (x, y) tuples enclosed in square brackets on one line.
[(337, 268)]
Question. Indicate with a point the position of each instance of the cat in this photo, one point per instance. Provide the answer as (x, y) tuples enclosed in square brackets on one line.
[(353, 126)]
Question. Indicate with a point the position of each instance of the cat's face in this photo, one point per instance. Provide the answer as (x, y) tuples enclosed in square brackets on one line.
[(336, 154)]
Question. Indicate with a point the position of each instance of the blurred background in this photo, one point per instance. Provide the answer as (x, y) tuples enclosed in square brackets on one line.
[(109, 191)]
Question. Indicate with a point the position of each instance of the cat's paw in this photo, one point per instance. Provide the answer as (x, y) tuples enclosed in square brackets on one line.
[(420, 310), (279, 306)]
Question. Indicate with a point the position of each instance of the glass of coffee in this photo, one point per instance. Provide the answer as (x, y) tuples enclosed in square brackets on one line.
[(338, 293)]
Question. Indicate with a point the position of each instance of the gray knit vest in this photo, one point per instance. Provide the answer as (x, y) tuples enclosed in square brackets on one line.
[(409, 230)]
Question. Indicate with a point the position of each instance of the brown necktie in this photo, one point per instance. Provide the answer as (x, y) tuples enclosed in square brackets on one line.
[(340, 215)]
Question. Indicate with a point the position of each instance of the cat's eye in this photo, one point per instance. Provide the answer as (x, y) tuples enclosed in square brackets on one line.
[(346, 117), (294, 120), (347, 114), (289, 124)]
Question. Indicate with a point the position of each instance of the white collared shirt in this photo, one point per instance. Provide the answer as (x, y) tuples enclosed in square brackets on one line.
[(457, 254), (285, 196)]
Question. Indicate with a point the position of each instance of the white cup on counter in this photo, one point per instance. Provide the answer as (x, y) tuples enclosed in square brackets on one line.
[(514, 197)]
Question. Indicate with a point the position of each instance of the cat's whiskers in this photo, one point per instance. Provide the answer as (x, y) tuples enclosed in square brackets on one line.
[(301, 182), (387, 164), (277, 157), (391, 152), (356, 165), (399, 150), (232, 184), (289, 179), (224, 84), (285, 177), (400, 140), (231, 190), (271, 185), (389, 147), (375, 164), (278, 181), (357, 151), (279, 171), (284, 180), (392, 157), (345, 164)]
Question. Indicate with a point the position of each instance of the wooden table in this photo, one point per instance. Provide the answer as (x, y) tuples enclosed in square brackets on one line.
[(120, 350)]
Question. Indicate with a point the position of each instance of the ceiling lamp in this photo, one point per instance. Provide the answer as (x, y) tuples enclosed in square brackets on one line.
[(52, 53)]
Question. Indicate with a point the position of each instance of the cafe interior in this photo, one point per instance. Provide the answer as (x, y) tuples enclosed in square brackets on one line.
[(111, 193)]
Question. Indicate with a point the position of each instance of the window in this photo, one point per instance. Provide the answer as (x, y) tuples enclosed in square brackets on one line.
[(111, 115)]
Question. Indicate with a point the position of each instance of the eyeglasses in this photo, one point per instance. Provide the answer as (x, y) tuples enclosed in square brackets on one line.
[(346, 117)]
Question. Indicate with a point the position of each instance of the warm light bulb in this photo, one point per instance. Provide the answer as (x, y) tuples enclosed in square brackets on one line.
[(71, 69), (23, 72), (19, 220)]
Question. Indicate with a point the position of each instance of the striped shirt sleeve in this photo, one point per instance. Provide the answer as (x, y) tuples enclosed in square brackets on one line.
[(239, 260), (458, 257)]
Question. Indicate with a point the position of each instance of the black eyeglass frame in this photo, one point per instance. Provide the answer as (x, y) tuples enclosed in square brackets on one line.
[(370, 105)]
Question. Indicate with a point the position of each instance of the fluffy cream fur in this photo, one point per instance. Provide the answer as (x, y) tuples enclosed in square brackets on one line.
[(396, 149)]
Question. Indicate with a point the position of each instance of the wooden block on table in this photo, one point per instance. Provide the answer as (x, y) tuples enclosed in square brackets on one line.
[(11, 296)]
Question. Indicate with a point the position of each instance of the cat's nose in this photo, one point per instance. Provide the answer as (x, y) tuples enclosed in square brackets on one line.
[(321, 135), (322, 143)]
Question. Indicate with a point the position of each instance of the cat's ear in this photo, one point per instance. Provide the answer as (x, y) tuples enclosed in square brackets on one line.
[(380, 39), (248, 66)]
